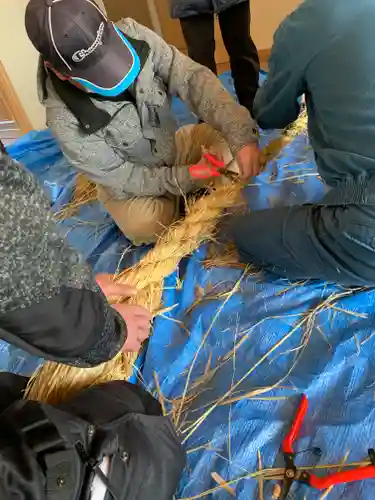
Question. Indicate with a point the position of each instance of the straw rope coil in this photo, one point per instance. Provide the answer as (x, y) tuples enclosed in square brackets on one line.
[(54, 382)]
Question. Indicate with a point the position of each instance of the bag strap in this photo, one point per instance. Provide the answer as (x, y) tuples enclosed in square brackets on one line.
[(40, 433), (94, 467), (50, 449), (53, 452), (43, 437)]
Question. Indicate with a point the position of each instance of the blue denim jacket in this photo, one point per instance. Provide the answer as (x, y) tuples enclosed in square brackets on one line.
[(326, 50)]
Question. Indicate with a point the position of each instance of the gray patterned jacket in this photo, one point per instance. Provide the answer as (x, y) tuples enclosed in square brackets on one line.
[(186, 8), (134, 154), (50, 303)]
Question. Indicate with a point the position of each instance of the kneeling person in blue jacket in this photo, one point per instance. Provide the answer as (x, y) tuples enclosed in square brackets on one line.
[(322, 50)]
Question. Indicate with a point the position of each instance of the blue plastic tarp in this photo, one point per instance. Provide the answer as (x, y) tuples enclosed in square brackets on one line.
[(330, 356), (334, 366)]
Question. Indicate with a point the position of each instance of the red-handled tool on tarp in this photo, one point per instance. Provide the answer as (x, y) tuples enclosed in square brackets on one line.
[(291, 473)]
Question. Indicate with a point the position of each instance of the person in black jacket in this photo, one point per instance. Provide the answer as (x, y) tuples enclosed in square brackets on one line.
[(51, 305), (197, 22), (107, 442)]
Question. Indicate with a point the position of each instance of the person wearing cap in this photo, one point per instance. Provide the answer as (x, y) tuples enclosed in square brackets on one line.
[(107, 90), (51, 304)]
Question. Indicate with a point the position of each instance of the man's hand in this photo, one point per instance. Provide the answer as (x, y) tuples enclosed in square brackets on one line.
[(249, 160), (112, 289), (138, 319), (138, 322)]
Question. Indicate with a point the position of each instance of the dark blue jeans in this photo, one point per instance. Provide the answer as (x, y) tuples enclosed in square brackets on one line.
[(330, 243)]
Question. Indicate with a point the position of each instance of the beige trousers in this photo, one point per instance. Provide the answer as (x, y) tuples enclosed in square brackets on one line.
[(144, 219)]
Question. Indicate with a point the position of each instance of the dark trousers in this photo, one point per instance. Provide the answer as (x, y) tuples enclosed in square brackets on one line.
[(235, 28), (330, 243)]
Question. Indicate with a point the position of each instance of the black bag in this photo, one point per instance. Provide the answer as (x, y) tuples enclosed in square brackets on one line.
[(113, 434)]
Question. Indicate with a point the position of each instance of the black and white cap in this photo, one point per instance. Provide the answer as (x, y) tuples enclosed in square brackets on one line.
[(77, 39)]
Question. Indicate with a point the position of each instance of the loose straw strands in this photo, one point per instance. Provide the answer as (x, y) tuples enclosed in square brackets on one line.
[(85, 192), (54, 382), (222, 255), (306, 322), (180, 408), (275, 475)]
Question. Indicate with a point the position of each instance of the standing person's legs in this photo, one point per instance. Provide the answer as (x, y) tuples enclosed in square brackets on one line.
[(244, 59), (199, 34)]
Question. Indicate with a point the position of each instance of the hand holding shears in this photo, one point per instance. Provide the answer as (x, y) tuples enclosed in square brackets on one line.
[(210, 166)]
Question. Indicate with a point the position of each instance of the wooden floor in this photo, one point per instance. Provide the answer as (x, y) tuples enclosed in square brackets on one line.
[(13, 120), (9, 131), (263, 57)]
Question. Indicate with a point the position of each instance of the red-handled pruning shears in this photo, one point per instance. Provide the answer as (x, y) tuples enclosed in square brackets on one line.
[(292, 474), (214, 168)]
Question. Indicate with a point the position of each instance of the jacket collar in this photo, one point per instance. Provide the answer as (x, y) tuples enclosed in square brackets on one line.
[(81, 104)]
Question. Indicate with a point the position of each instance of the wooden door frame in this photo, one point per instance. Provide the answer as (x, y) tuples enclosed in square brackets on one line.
[(12, 103)]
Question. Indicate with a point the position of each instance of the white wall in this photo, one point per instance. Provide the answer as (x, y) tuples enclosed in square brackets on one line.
[(266, 17), (20, 58)]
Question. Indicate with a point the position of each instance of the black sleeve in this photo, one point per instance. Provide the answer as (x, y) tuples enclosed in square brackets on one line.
[(50, 303), (76, 327), (12, 387)]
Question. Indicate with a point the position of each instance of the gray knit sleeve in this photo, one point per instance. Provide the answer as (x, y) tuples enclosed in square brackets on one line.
[(50, 303)]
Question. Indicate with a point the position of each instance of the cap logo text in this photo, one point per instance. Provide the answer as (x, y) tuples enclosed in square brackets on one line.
[(80, 55)]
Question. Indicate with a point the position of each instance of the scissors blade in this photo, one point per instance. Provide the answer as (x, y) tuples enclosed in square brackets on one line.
[(287, 484), (228, 172)]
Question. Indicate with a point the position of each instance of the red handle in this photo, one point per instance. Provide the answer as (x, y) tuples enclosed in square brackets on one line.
[(203, 171), (293, 433), (322, 483), (206, 171), (214, 161)]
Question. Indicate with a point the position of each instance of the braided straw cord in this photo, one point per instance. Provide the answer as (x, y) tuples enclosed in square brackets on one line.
[(55, 382)]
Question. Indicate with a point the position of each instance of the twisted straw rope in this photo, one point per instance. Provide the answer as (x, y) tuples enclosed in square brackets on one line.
[(54, 382)]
